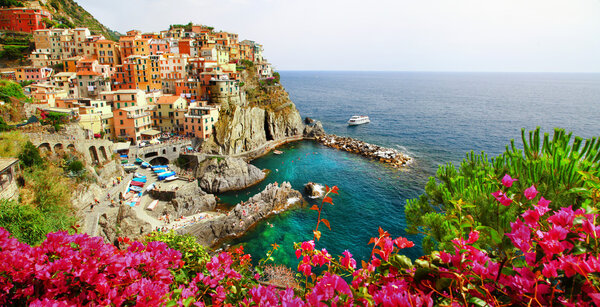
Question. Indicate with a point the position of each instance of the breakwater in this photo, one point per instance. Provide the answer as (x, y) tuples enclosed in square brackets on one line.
[(382, 154)]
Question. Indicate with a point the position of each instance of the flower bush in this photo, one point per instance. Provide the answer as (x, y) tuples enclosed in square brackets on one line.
[(553, 259)]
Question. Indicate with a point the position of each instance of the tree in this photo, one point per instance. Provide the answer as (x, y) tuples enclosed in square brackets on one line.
[(30, 156)]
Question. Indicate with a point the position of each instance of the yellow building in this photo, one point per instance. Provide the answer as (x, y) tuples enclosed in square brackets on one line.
[(169, 114), (108, 52)]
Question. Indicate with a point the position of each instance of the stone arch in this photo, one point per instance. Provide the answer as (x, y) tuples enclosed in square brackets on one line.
[(151, 154), (103, 153), (71, 147), (45, 147), (94, 154), (159, 161), (58, 147)]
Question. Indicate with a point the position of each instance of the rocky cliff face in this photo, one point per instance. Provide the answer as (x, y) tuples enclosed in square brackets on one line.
[(220, 175), (258, 115), (272, 200), (122, 222), (187, 200)]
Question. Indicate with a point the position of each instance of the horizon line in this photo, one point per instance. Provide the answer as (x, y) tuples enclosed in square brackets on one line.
[(445, 71)]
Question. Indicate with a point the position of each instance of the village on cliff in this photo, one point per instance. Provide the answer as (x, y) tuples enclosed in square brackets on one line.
[(164, 119)]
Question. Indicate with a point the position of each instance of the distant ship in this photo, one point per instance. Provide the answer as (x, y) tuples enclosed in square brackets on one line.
[(358, 120)]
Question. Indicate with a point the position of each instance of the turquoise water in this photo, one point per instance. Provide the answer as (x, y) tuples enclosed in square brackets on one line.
[(371, 195), (434, 117)]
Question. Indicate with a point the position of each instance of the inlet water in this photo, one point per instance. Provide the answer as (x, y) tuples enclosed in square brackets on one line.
[(434, 117)]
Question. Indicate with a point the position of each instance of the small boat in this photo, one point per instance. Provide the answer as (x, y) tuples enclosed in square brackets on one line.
[(124, 161), (134, 188), (358, 120), (138, 175), (277, 152), (160, 170), (152, 205), (145, 164), (138, 161), (129, 168), (171, 178), (158, 166), (136, 179), (137, 184), (150, 187)]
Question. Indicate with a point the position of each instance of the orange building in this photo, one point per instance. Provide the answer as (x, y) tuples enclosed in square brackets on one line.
[(200, 121), (23, 19), (131, 122), (107, 52)]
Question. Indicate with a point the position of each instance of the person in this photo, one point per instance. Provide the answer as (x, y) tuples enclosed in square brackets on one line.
[(92, 207)]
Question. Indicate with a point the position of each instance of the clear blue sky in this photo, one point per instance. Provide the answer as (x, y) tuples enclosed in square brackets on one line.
[(406, 35)]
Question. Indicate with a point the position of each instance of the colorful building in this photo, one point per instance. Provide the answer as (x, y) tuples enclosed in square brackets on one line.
[(131, 122), (108, 52), (23, 19), (200, 121), (169, 114), (30, 73)]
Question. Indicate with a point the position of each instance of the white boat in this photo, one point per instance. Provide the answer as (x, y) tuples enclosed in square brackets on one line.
[(171, 178), (358, 120)]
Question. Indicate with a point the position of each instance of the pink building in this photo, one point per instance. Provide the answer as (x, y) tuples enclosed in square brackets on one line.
[(30, 73)]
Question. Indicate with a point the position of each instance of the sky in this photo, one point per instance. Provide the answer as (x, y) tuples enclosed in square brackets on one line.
[(388, 35)]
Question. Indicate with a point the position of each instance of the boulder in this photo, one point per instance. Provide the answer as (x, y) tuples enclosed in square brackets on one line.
[(122, 222), (314, 190), (272, 200), (217, 175), (315, 130), (188, 199)]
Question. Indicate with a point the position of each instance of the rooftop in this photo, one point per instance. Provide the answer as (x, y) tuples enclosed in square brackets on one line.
[(7, 162), (169, 99)]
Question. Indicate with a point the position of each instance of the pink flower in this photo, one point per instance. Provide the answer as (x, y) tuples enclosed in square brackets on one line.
[(502, 198), (308, 245), (347, 261), (531, 192), (304, 266), (507, 181), (473, 237)]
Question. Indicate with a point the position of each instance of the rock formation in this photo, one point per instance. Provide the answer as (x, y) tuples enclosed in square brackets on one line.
[(257, 115), (314, 130), (122, 222), (385, 155), (272, 200), (314, 190), (218, 175), (188, 199)]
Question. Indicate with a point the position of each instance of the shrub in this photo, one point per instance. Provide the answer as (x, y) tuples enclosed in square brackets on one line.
[(30, 156), (10, 89), (553, 164)]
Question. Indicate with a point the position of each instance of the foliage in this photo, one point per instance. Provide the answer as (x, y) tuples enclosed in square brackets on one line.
[(10, 89), (247, 63), (553, 260), (30, 156), (13, 52), (73, 166), (11, 143), (11, 3), (456, 196), (194, 255), (4, 126), (276, 76), (25, 222), (56, 120), (187, 27)]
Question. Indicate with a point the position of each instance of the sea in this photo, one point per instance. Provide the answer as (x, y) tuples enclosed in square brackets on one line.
[(436, 118)]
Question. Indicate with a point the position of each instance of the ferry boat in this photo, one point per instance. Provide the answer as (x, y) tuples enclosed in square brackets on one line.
[(358, 120)]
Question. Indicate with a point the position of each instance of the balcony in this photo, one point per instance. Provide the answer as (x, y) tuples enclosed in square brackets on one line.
[(138, 115)]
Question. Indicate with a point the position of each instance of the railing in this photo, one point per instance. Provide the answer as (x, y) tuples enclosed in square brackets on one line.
[(137, 115)]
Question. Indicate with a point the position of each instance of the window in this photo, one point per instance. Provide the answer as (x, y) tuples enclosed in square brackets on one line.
[(121, 121)]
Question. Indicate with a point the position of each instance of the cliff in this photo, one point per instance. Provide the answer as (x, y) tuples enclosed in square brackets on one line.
[(259, 114), (272, 200)]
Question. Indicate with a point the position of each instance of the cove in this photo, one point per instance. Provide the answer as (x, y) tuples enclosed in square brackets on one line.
[(371, 195)]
